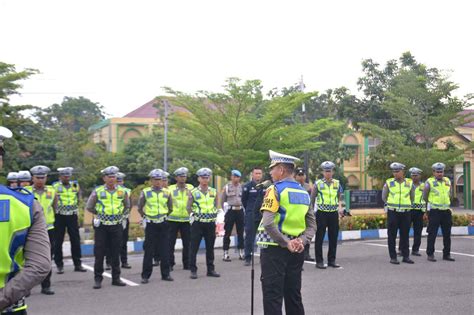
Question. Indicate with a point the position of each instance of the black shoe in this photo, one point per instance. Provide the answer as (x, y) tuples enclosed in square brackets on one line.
[(145, 280), (98, 284), (431, 258), (247, 263), (334, 265), (119, 283), (60, 270), (80, 269), (167, 278), (108, 267), (309, 258), (194, 275), (448, 258), (47, 291), (415, 253), (156, 263), (407, 260), (394, 261), (126, 266), (320, 265), (213, 273)]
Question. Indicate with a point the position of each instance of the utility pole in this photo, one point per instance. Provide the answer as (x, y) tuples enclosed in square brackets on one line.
[(306, 153), (165, 149)]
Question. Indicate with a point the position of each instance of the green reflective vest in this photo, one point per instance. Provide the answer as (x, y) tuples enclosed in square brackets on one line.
[(67, 197), (204, 208), (156, 204), (46, 199), (109, 205), (399, 194), (15, 219), (419, 202), (180, 202), (328, 195), (290, 217), (440, 192)]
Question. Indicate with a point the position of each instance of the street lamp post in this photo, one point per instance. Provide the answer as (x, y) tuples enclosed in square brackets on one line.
[(165, 149), (306, 153)]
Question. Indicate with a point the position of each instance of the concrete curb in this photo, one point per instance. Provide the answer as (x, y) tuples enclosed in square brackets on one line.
[(137, 246)]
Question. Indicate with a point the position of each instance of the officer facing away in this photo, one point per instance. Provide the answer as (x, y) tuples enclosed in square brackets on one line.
[(252, 198), (326, 200), (23, 231), (397, 194), (231, 202), (110, 203), (287, 225), (46, 196), (437, 194)]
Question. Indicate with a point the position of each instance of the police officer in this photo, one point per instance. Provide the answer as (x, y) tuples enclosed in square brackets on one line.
[(24, 178), (23, 232), (287, 225), (300, 177), (437, 194), (69, 194), (12, 180), (231, 202), (397, 194), (178, 219), (418, 209), (326, 200), (110, 203), (202, 203), (125, 224), (46, 196), (252, 198), (154, 205), (156, 255)]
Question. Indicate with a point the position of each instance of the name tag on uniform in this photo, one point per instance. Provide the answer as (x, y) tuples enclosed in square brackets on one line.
[(176, 193), (197, 195), (321, 186), (298, 198), (103, 195), (4, 210), (392, 184)]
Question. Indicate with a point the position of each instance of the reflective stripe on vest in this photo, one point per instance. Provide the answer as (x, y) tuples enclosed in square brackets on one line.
[(328, 195), (156, 205), (439, 196), (180, 202), (290, 217), (109, 206), (204, 205), (67, 197), (15, 220), (399, 194), (46, 199)]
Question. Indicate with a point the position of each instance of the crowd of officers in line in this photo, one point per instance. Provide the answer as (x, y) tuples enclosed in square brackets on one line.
[(282, 217)]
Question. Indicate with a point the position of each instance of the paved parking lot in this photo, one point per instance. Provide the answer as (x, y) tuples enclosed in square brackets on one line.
[(367, 283)]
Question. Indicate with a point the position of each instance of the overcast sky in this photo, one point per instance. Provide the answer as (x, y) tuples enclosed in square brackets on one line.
[(120, 53)]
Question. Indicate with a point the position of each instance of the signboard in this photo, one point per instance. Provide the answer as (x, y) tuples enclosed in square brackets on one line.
[(366, 199)]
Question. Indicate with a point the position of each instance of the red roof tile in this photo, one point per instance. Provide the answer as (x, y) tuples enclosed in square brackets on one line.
[(149, 111)]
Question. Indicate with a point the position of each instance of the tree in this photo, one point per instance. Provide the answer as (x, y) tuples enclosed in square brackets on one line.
[(235, 129)]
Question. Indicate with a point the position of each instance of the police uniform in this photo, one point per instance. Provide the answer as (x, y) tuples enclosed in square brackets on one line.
[(46, 196), (234, 214), (202, 203), (437, 194), (286, 220), (418, 209), (68, 193), (154, 205), (397, 195), (126, 226), (252, 198), (326, 202), (178, 219), (110, 204), (156, 255), (12, 180)]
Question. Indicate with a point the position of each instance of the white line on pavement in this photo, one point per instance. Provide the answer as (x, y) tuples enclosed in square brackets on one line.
[(438, 251), (108, 275)]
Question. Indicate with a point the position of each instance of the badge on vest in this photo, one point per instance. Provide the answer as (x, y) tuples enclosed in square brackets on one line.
[(149, 194), (321, 186), (4, 210), (197, 195), (120, 194), (103, 195), (49, 195)]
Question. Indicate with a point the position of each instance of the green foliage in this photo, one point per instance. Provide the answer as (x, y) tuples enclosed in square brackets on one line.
[(9, 78)]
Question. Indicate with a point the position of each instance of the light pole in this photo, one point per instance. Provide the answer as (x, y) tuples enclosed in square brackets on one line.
[(303, 118), (165, 149)]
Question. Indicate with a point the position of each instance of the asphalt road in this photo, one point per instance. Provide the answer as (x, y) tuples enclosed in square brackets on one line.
[(367, 283)]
